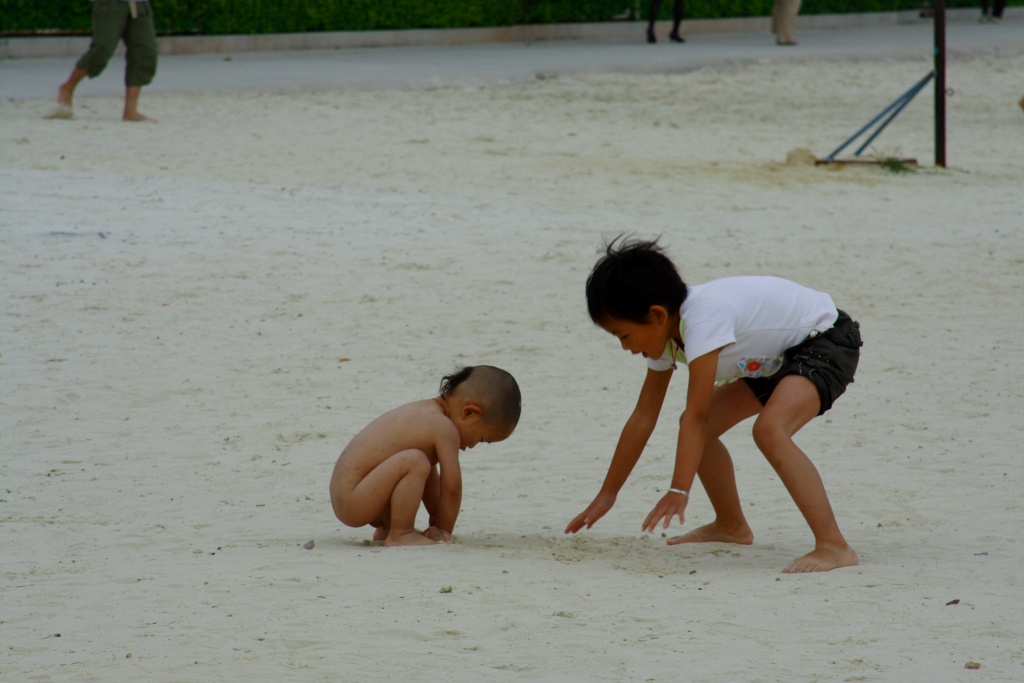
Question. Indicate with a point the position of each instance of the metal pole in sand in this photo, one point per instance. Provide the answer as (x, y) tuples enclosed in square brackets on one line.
[(940, 83)]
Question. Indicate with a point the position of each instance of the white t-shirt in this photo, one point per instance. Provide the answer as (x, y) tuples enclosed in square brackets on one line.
[(753, 319)]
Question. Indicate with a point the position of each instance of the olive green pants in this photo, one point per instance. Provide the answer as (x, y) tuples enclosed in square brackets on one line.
[(112, 22)]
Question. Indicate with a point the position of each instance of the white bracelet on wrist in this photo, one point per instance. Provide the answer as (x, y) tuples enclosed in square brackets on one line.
[(680, 492)]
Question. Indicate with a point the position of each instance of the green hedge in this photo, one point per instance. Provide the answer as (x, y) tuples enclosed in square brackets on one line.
[(285, 16)]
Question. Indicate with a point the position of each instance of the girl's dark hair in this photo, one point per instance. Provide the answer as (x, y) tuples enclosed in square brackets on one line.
[(629, 278)]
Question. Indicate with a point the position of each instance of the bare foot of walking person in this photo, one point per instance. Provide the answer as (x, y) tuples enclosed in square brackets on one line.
[(131, 106)]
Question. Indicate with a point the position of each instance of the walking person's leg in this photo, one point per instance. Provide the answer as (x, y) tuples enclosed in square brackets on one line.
[(109, 19), (141, 58)]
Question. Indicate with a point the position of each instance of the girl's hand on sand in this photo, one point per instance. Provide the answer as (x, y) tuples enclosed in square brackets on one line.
[(595, 511), (671, 505)]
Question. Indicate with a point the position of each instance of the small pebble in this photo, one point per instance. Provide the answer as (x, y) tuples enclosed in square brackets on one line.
[(309, 544), (446, 589), (972, 665)]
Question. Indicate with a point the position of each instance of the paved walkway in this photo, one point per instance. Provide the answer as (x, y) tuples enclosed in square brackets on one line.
[(438, 64)]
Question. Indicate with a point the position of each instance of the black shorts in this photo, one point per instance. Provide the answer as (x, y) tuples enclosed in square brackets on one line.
[(828, 359)]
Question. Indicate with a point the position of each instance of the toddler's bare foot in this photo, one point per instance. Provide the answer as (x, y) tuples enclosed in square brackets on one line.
[(822, 559), (435, 534), (136, 116), (716, 532), (380, 533), (408, 538)]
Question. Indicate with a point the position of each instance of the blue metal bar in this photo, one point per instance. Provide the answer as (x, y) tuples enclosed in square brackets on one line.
[(909, 96), (856, 135), (899, 104)]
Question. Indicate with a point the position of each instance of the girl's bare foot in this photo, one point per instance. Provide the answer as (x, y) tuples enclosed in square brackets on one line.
[(716, 532), (408, 538), (380, 533), (136, 116), (822, 559)]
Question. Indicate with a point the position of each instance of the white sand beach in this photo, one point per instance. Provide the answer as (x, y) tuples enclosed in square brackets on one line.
[(199, 313)]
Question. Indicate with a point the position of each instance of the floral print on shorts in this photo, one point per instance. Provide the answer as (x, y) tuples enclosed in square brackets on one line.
[(759, 367)]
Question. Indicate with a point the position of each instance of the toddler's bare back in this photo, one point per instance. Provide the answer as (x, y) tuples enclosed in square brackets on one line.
[(420, 425)]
